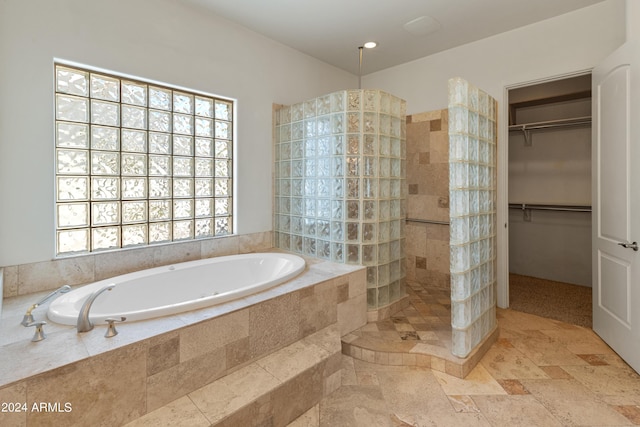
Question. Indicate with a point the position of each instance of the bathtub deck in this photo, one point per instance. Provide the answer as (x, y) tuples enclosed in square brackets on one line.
[(154, 362)]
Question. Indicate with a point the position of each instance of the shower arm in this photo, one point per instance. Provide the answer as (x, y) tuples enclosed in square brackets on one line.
[(28, 317), (360, 67)]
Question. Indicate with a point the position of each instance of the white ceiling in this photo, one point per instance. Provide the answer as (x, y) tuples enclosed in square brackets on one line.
[(332, 30)]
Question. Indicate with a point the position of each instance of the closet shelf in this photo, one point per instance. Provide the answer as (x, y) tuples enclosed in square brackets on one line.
[(526, 128), (551, 124), (541, 207)]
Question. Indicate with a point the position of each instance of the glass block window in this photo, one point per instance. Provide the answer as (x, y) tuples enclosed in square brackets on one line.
[(138, 163)]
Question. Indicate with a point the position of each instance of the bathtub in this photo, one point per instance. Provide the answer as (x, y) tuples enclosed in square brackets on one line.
[(179, 287)]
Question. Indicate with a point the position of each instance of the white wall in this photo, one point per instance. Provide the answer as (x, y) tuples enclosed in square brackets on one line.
[(162, 40), (553, 245), (568, 43), (556, 167)]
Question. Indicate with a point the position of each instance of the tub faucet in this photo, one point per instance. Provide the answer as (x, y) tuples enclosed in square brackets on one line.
[(84, 324), (27, 320)]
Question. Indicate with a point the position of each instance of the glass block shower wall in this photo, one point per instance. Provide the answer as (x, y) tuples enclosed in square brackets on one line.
[(472, 193), (340, 185)]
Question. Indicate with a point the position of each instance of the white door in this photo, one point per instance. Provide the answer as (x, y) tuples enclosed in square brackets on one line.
[(616, 202)]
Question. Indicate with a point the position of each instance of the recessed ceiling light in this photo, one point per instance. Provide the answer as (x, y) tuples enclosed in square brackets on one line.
[(370, 45)]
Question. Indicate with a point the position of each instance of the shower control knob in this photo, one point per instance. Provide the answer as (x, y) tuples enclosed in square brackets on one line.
[(633, 245)]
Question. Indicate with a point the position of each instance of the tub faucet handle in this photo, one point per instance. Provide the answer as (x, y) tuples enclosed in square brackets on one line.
[(39, 334), (111, 328)]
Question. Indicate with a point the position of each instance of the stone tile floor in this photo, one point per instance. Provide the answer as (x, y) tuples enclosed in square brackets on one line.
[(426, 320), (540, 372), (419, 335)]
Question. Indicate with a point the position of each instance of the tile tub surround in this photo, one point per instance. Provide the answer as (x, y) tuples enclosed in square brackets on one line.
[(284, 385), (428, 198), (154, 362), (47, 275)]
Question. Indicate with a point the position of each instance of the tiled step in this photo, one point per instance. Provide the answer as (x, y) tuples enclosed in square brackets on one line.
[(273, 390), (377, 349)]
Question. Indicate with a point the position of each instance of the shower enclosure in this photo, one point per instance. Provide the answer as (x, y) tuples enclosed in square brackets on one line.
[(340, 190), (340, 194)]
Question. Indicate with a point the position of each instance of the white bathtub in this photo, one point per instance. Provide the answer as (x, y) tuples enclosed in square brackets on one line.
[(178, 288)]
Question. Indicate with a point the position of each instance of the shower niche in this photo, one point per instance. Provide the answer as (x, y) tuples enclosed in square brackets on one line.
[(340, 187)]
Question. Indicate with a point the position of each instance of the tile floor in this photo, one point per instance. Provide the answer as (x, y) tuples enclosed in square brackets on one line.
[(427, 320), (540, 372), (419, 335)]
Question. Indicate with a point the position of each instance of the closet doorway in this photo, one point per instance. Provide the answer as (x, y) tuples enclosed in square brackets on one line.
[(550, 199)]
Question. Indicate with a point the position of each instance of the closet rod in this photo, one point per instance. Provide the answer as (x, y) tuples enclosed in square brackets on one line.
[(427, 221), (579, 121), (564, 208)]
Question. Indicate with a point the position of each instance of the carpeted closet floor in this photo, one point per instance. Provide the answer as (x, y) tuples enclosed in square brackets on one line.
[(554, 300)]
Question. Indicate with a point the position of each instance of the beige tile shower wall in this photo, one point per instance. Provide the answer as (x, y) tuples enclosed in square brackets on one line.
[(428, 199), (41, 276)]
